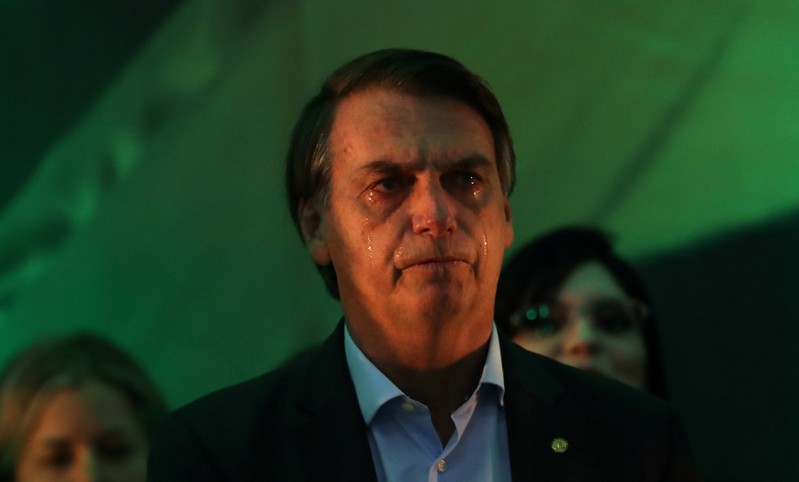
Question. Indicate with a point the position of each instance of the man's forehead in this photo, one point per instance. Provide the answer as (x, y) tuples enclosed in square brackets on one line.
[(383, 118), (396, 105)]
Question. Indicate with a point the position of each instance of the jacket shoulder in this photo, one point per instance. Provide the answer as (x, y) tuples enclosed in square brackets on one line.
[(225, 434), (615, 432)]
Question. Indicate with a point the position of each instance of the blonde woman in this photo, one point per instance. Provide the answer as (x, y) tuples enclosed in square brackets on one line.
[(76, 408)]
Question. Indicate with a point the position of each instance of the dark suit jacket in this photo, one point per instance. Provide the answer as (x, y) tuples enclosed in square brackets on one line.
[(302, 422)]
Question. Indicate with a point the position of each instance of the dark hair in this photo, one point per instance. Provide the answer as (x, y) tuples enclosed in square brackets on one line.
[(33, 375), (408, 71), (537, 271)]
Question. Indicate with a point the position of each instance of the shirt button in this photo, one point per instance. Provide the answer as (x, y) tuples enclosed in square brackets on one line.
[(407, 407), (441, 466)]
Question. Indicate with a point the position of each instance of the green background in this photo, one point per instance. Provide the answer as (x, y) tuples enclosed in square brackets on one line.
[(143, 142)]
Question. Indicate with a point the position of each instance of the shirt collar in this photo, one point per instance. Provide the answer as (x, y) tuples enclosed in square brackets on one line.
[(374, 389)]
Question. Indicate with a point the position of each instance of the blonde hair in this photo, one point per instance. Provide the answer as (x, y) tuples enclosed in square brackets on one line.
[(33, 375)]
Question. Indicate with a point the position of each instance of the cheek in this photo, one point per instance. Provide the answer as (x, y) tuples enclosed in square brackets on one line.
[(345, 235), (24, 469), (631, 349), (131, 468), (494, 229), (628, 355), (135, 470), (360, 249)]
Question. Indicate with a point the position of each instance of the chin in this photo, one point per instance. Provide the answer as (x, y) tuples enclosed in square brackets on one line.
[(440, 304)]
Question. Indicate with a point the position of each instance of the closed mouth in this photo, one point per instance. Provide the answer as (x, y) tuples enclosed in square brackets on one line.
[(441, 262)]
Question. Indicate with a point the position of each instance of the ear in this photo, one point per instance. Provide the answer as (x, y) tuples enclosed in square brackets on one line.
[(508, 223), (312, 226)]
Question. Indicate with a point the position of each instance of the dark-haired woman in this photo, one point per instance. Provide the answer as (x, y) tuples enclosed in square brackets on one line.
[(568, 296)]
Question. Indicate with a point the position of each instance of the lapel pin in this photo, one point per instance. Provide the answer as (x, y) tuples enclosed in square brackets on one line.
[(559, 445)]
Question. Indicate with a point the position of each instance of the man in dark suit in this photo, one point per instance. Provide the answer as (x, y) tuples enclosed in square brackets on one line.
[(398, 178)]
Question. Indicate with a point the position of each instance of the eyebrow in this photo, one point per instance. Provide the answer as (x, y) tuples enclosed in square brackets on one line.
[(474, 161), (382, 166), (57, 440)]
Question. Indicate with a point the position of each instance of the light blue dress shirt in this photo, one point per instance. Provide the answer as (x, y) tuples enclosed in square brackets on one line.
[(405, 446)]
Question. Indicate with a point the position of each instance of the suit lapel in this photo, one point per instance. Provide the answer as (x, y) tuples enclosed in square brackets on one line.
[(336, 445), (536, 415)]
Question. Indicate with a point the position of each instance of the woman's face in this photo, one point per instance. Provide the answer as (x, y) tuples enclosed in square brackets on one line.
[(85, 433), (593, 325)]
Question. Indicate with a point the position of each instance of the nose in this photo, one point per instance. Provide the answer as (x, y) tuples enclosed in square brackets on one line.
[(432, 213), (580, 339)]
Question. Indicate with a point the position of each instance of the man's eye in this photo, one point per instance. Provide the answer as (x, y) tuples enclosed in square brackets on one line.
[(389, 184), (467, 178), (464, 179)]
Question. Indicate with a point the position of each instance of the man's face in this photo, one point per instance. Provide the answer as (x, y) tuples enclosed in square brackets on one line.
[(415, 220)]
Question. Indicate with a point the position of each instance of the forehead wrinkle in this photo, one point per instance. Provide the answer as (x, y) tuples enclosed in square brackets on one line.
[(383, 166)]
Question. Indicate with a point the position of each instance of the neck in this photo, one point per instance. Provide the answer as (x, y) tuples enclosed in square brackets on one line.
[(437, 367), (442, 390)]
